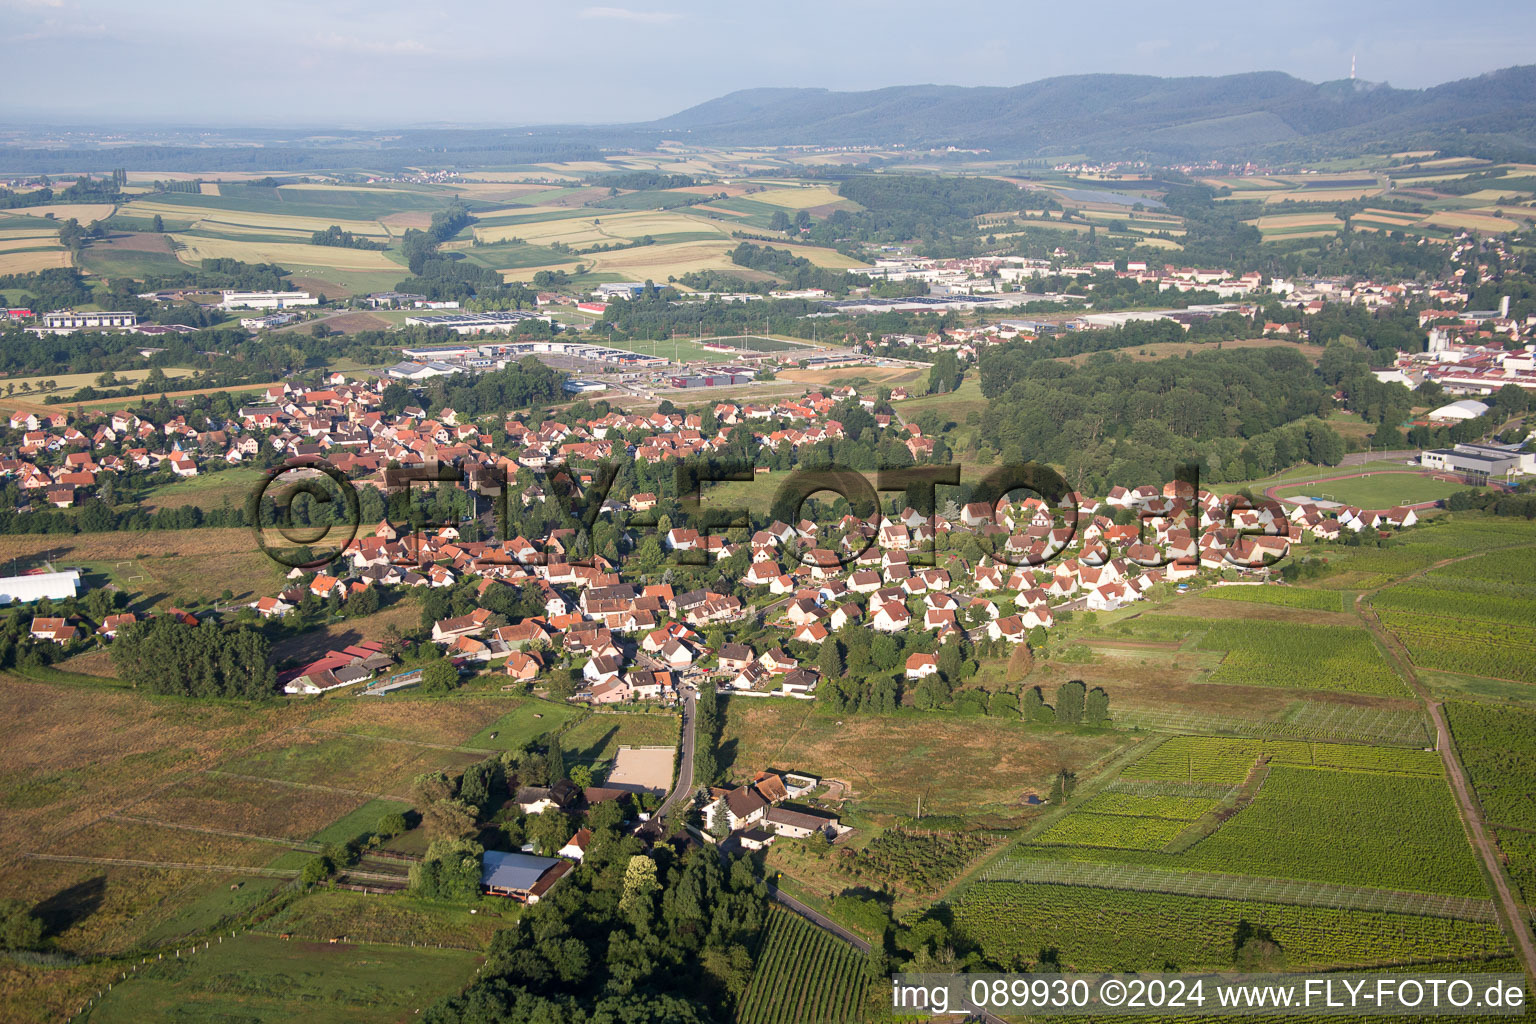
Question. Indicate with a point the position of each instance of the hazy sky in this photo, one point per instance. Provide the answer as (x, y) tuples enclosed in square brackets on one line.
[(387, 62)]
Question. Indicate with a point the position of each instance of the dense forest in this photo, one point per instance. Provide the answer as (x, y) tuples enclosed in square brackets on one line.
[(163, 656), (625, 937), (1237, 413)]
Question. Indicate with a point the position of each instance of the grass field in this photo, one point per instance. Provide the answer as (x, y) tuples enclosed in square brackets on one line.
[(397, 920), (1378, 490), (978, 768), (66, 384), (161, 566), (259, 977), (598, 736), (528, 720)]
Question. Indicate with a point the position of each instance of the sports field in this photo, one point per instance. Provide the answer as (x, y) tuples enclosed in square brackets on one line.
[(1379, 490)]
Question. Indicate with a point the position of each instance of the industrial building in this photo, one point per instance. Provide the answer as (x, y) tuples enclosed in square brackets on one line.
[(69, 320), (266, 300), (263, 323), (447, 353), (710, 380), (477, 323), (422, 371)]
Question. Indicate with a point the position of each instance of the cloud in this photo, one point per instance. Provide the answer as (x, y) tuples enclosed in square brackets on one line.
[(52, 28), (385, 47), (24, 4), (625, 14)]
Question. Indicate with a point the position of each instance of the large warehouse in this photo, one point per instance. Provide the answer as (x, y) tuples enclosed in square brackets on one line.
[(476, 323)]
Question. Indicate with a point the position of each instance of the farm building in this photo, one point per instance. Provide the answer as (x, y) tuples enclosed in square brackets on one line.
[(35, 586), (520, 876)]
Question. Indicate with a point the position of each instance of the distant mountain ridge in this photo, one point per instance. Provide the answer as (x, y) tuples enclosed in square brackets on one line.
[(1126, 115)]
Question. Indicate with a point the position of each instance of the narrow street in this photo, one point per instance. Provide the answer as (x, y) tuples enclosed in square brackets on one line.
[(682, 787)]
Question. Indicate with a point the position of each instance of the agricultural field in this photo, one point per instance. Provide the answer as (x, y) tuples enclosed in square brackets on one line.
[(1470, 617), (1297, 225), (803, 974), (241, 796), (1286, 597), (1305, 657), (917, 861), (1110, 929), (1116, 832), (1497, 746), (259, 977), (1377, 818)]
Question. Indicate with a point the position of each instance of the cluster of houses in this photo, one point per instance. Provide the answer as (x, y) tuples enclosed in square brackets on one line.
[(59, 463), (642, 642), (757, 813)]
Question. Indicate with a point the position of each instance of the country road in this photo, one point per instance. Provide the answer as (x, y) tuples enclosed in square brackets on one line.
[(682, 788)]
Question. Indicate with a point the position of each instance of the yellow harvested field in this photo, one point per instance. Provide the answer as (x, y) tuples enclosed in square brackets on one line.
[(398, 222), (218, 227), (83, 212), (797, 198), (26, 262), (28, 242), (322, 186), (521, 177), (209, 188), (1391, 216), (1290, 220), (659, 261), (495, 186), (195, 248), (37, 231), (1493, 195), (68, 383), (1322, 195), (526, 273), (1472, 220), (267, 222), (829, 258), (583, 167), (602, 228)]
